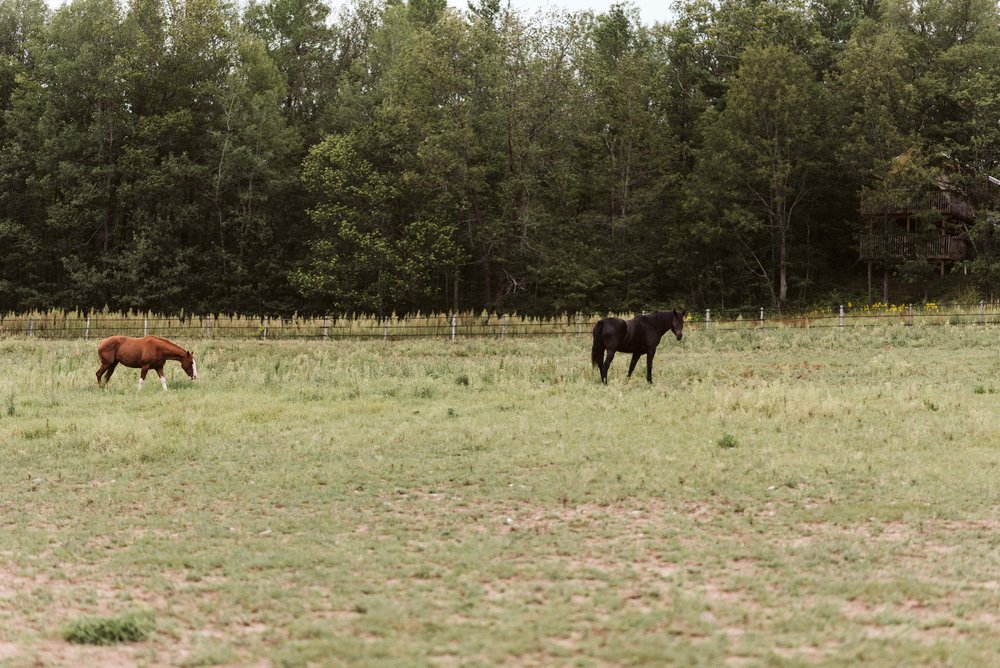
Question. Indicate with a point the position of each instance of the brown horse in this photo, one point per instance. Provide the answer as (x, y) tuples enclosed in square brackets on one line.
[(149, 352)]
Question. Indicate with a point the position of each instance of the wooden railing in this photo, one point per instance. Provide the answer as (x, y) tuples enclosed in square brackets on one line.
[(906, 203), (912, 247)]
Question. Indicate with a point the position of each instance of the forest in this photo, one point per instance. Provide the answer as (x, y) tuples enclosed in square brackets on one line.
[(281, 156)]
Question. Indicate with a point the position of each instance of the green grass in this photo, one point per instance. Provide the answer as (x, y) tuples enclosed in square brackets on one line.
[(487, 502)]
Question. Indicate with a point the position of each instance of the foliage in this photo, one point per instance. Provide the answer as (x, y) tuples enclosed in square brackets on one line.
[(762, 159), (282, 157)]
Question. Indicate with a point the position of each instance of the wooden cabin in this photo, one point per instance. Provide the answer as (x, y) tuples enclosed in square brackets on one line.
[(929, 222)]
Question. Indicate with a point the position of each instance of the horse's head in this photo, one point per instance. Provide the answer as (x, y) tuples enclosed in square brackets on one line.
[(677, 325), (187, 363)]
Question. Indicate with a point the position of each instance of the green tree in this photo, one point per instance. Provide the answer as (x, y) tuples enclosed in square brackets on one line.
[(761, 160), (371, 254), (627, 139), (20, 249), (302, 43), (148, 146), (66, 130)]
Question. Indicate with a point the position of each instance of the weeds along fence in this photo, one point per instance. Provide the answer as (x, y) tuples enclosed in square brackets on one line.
[(97, 325), (100, 324)]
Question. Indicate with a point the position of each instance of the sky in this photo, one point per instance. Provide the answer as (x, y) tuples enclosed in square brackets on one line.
[(650, 11)]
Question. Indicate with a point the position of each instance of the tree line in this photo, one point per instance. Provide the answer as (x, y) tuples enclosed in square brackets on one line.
[(282, 156)]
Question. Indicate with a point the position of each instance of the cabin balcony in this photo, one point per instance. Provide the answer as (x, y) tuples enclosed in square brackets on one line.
[(902, 204), (932, 247)]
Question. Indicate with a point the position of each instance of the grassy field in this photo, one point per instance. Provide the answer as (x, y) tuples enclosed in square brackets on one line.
[(786, 497)]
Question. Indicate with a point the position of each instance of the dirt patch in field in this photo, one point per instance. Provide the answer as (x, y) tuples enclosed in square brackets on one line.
[(741, 571), (55, 654), (704, 572), (35, 608)]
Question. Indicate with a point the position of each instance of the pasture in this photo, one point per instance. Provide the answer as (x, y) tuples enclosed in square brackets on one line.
[(780, 497)]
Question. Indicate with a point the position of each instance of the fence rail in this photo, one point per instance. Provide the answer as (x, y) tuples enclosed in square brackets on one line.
[(97, 325)]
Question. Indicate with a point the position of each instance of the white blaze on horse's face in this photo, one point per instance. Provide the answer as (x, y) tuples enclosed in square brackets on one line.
[(187, 363)]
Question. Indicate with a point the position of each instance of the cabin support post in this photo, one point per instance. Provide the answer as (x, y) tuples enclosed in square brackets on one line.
[(869, 282)]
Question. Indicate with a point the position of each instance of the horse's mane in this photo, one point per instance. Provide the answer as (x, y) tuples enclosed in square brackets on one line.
[(664, 319), (660, 315), (169, 343)]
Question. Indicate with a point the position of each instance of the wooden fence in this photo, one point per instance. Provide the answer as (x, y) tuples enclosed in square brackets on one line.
[(97, 325)]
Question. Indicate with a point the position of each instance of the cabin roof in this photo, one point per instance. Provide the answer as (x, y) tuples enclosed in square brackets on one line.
[(948, 198)]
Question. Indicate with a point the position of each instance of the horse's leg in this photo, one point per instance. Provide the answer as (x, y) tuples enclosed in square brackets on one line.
[(111, 370), (142, 375), (606, 366), (635, 360), (649, 366), (163, 380), (100, 372)]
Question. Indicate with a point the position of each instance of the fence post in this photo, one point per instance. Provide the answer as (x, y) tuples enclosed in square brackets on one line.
[(385, 329), (579, 324), (208, 326), (762, 317), (145, 324), (708, 319), (326, 327), (31, 326), (454, 324), (982, 313), (503, 326), (909, 317), (265, 326), (86, 334), (841, 316)]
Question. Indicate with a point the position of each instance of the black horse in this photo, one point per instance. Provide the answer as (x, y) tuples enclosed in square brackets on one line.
[(638, 336)]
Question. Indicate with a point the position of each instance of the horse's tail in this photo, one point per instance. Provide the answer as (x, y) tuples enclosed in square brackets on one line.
[(597, 352)]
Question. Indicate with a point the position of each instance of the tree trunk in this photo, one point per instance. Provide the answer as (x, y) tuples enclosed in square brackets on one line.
[(782, 265), (783, 277), (487, 281)]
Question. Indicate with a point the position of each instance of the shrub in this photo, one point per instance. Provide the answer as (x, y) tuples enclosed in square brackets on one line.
[(108, 630), (726, 441)]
